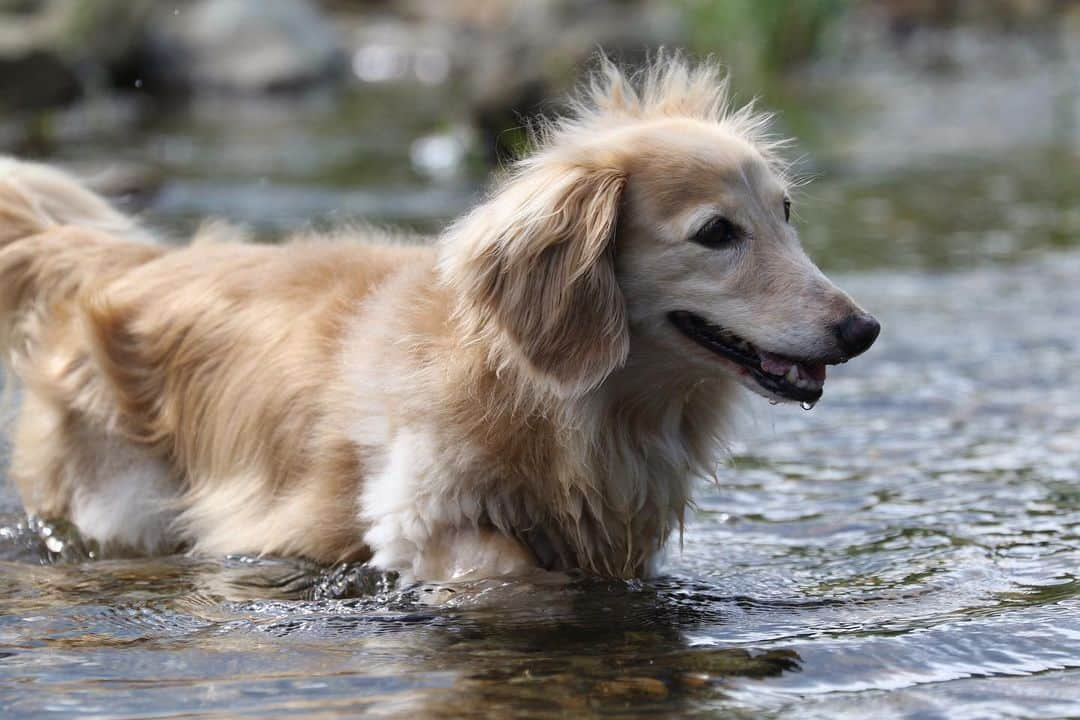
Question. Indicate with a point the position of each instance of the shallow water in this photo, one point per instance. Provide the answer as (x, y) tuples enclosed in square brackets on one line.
[(909, 547)]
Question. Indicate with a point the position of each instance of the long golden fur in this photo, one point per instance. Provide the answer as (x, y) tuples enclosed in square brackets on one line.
[(514, 396)]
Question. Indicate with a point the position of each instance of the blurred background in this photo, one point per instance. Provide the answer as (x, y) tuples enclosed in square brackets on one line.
[(908, 549), (937, 133)]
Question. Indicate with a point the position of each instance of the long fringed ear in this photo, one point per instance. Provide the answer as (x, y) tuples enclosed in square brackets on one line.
[(535, 274)]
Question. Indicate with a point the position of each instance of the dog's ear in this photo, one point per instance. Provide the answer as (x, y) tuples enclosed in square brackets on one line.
[(534, 269)]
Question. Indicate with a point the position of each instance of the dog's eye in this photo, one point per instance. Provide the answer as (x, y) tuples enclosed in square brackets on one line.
[(787, 210), (717, 233)]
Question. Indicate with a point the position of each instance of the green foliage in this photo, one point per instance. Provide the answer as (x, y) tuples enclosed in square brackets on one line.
[(104, 30), (759, 39)]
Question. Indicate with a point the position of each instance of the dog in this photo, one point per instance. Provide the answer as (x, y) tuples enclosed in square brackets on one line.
[(535, 391)]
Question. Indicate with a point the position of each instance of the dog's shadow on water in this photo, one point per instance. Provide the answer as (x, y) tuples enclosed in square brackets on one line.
[(576, 642)]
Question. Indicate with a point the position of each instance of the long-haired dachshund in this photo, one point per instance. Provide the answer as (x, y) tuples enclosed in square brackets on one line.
[(537, 389)]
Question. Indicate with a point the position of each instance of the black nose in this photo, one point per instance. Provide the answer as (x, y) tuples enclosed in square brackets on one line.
[(857, 332)]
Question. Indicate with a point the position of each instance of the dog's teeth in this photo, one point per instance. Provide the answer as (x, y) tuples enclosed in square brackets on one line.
[(792, 375)]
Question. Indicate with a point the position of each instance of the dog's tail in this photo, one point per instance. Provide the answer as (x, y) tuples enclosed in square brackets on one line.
[(56, 238), (35, 198)]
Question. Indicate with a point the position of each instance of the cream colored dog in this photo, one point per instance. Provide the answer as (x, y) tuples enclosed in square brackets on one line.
[(537, 391)]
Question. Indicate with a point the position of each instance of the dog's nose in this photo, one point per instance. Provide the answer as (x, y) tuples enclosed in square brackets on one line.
[(857, 332)]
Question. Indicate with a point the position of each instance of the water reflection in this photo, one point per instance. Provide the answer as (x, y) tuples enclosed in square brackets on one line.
[(566, 645)]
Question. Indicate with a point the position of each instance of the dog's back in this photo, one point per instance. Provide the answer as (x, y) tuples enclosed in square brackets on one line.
[(176, 395)]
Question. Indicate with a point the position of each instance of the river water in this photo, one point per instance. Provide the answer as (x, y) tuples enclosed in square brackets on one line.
[(910, 547)]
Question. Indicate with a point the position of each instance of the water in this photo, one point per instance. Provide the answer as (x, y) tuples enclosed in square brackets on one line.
[(909, 547)]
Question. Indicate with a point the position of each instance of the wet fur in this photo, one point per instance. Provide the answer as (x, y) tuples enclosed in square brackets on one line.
[(501, 401)]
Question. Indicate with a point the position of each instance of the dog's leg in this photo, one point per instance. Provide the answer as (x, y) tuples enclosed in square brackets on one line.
[(473, 553), (418, 525), (126, 500), (118, 494), (59, 243)]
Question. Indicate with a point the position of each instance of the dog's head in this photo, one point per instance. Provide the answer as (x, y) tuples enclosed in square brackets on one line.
[(654, 217)]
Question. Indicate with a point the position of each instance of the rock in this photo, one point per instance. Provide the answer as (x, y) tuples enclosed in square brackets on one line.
[(53, 51), (37, 80), (33, 74), (243, 45), (99, 34), (22, 7), (506, 58)]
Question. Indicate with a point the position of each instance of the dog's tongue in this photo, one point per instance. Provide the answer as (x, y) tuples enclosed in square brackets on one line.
[(779, 365), (774, 364)]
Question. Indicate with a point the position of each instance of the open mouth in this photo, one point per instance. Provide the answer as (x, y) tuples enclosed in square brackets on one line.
[(788, 378)]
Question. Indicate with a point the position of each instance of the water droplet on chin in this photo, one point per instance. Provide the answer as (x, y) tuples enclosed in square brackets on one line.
[(774, 402), (807, 405)]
